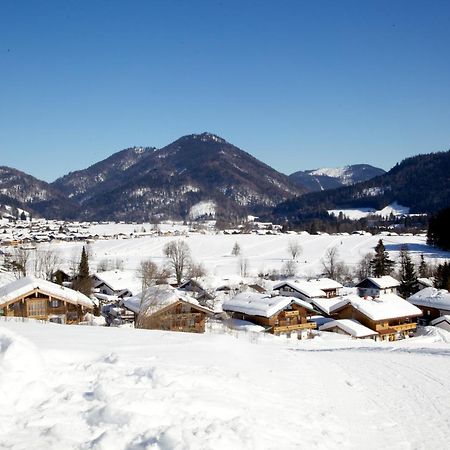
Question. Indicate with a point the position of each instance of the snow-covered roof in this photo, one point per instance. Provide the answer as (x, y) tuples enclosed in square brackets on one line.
[(119, 280), (384, 307), (432, 297), (329, 305), (157, 297), (441, 319), (384, 282), (255, 304), (425, 281), (25, 285), (310, 288), (352, 327), (303, 287)]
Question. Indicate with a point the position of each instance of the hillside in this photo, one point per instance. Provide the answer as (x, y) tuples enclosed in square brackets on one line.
[(332, 178), (421, 183), (21, 190), (170, 181), (102, 176)]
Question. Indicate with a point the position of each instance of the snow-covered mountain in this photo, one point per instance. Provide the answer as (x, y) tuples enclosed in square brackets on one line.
[(332, 178), (102, 176), (18, 189), (420, 183), (170, 181)]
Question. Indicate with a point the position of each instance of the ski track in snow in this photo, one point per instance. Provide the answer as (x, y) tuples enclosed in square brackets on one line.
[(73, 387)]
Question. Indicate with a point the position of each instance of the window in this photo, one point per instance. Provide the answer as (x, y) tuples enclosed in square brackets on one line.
[(54, 303), (37, 307)]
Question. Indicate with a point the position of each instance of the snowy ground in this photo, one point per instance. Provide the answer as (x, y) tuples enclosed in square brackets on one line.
[(263, 253), (73, 387)]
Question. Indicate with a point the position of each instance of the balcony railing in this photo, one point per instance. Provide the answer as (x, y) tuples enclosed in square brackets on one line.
[(299, 326)]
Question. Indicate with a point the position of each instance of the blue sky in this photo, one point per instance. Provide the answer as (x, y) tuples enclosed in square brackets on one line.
[(297, 84)]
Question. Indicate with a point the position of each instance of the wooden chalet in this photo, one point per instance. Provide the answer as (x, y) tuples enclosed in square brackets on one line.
[(376, 286), (389, 315), (40, 299), (432, 302), (309, 289), (278, 315), (111, 283), (165, 308)]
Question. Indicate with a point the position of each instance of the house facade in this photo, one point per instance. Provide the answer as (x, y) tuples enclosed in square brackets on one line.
[(309, 289), (166, 308), (40, 299), (278, 315), (376, 286), (389, 315)]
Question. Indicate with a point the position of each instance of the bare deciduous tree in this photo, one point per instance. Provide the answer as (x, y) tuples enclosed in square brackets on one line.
[(18, 263), (236, 251), (289, 268), (243, 266), (110, 264), (196, 270), (333, 267), (294, 248), (179, 256), (46, 262), (364, 267), (151, 274)]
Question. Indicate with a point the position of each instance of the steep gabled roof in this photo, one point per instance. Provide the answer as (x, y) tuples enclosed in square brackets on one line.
[(156, 298), (25, 285), (310, 288), (118, 280), (431, 297), (384, 307), (255, 304), (383, 282)]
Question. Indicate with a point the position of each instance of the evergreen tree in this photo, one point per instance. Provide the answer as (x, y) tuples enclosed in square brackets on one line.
[(438, 227), (381, 264), (408, 276), (83, 282), (424, 270), (442, 278)]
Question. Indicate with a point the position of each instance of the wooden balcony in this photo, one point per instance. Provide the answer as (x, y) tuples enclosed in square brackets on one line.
[(289, 328), (291, 313), (404, 327)]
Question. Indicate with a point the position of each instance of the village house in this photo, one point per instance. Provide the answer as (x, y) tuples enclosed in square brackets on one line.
[(349, 327), (40, 299), (112, 282), (389, 315), (422, 283), (164, 308), (309, 289), (432, 302), (375, 287), (278, 315)]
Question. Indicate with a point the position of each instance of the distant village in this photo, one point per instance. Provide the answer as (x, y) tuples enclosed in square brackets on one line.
[(292, 307)]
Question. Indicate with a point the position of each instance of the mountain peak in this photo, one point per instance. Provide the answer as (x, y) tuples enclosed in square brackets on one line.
[(206, 137)]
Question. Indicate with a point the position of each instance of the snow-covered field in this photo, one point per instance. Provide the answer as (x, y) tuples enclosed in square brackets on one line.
[(74, 387), (263, 253)]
